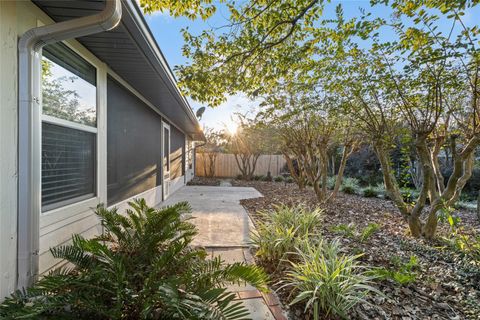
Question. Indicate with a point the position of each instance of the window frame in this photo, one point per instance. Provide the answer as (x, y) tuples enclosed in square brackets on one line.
[(83, 204)]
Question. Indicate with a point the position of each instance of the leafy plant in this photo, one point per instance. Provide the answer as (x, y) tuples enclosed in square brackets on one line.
[(350, 231), (402, 273), (370, 192), (280, 230), (368, 231), (347, 230), (142, 267), (266, 178), (289, 180), (409, 195), (258, 177), (278, 179), (328, 282), (331, 182), (350, 185)]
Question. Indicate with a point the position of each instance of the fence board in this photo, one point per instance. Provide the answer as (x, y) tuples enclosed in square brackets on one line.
[(226, 166)]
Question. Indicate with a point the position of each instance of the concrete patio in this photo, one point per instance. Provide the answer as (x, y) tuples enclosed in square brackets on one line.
[(224, 227), (219, 217)]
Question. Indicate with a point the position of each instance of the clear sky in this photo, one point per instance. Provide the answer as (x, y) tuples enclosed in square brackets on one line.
[(167, 31)]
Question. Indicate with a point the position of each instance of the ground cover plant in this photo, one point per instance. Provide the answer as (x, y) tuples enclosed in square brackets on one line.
[(142, 267), (419, 279)]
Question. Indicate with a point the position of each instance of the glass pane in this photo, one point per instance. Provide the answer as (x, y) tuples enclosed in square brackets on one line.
[(68, 86), (68, 165)]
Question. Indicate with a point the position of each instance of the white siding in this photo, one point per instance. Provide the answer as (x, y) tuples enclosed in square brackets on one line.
[(8, 147), (57, 226)]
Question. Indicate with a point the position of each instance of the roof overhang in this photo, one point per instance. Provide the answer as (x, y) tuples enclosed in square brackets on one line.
[(131, 51)]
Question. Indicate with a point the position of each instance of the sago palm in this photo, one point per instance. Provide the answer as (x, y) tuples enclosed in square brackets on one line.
[(141, 267)]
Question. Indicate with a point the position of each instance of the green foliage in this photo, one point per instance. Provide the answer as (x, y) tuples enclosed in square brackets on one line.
[(266, 178), (350, 231), (350, 185), (278, 179), (258, 177), (289, 179), (279, 231), (347, 230), (328, 282), (409, 195), (370, 192), (368, 231), (331, 182), (402, 273), (142, 267)]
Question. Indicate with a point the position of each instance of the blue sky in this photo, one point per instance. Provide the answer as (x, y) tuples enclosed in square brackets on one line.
[(167, 31)]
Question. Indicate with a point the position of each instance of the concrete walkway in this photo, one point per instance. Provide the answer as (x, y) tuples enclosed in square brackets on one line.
[(224, 227), (219, 217)]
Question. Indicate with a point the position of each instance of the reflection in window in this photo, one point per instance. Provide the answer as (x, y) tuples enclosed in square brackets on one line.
[(68, 86), (69, 97)]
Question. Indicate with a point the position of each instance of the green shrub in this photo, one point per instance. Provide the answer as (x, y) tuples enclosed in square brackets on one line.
[(142, 267), (328, 282), (258, 177), (239, 177), (289, 179), (370, 192), (350, 231), (350, 185), (279, 230), (266, 178), (409, 195), (401, 273), (278, 179), (368, 231), (331, 182)]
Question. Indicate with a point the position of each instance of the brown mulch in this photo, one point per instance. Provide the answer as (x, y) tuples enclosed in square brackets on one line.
[(203, 181), (447, 284)]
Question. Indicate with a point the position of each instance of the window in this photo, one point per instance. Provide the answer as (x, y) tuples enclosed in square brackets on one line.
[(69, 133)]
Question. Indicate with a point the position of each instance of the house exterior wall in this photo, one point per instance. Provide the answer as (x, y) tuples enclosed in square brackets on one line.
[(58, 225), (8, 146)]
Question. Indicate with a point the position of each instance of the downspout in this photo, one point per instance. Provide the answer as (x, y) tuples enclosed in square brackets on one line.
[(29, 134)]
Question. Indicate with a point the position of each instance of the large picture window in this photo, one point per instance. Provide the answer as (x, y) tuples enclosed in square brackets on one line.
[(69, 117)]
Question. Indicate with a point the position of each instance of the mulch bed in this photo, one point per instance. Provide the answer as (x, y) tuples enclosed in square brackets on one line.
[(447, 285), (204, 181)]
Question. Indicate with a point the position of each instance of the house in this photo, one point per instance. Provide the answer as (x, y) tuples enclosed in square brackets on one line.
[(90, 113)]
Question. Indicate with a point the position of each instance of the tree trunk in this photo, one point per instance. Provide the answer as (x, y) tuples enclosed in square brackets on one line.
[(478, 206), (338, 181), (298, 177), (430, 227), (415, 226)]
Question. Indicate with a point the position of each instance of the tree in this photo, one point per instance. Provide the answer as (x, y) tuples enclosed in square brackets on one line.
[(210, 150), (423, 83), (247, 144)]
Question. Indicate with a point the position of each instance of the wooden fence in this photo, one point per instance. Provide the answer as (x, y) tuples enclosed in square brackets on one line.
[(226, 166)]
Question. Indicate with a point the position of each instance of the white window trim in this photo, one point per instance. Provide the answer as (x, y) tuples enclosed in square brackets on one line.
[(101, 139), (68, 124)]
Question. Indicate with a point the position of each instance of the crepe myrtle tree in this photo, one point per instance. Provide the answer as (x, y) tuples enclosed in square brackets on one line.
[(209, 151), (310, 127), (425, 81), (424, 85), (247, 144)]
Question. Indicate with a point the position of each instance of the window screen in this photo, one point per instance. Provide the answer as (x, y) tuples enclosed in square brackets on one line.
[(68, 166), (134, 140), (177, 152)]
